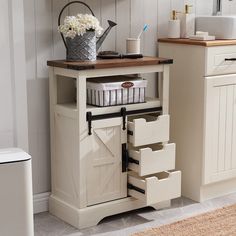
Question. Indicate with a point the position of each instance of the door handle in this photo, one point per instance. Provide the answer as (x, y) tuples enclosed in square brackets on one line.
[(125, 158), (230, 59)]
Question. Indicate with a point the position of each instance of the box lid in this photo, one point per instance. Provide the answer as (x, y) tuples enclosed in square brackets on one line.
[(12, 155)]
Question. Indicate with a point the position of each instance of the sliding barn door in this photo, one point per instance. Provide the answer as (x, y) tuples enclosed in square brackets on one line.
[(105, 180)]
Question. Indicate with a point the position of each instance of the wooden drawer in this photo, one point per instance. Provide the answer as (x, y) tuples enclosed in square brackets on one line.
[(148, 129), (221, 60), (154, 189), (153, 159)]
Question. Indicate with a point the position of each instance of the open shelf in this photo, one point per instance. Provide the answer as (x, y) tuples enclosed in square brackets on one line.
[(71, 107), (150, 103)]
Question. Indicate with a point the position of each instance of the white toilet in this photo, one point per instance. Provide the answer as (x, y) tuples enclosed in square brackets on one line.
[(16, 200)]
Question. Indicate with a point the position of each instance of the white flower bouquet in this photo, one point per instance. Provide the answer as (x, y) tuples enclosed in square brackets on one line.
[(78, 25)]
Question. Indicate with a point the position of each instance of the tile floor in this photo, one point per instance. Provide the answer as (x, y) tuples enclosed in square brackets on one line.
[(131, 222)]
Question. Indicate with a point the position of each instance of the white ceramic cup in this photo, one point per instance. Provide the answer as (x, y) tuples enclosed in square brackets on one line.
[(133, 45)]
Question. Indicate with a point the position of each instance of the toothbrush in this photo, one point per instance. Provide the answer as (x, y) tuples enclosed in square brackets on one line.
[(143, 30)]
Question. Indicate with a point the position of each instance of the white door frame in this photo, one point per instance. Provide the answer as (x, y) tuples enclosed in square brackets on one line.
[(18, 75)]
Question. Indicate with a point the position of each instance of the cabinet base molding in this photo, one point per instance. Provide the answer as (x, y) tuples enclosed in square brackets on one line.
[(206, 192), (91, 216), (217, 189)]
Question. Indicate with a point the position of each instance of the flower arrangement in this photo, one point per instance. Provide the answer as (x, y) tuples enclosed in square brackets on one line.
[(79, 25)]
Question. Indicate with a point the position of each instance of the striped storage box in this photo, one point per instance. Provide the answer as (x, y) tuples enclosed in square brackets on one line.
[(116, 90)]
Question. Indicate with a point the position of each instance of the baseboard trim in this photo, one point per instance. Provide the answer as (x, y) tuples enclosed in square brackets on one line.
[(40, 201)]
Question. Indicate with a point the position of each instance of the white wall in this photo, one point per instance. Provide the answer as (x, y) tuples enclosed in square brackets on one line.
[(229, 7), (13, 102), (200, 7), (43, 42)]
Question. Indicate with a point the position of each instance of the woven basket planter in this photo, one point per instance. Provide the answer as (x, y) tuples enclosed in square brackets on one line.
[(81, 48)]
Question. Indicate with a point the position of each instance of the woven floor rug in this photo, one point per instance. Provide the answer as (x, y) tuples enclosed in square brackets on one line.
[(221, 222)]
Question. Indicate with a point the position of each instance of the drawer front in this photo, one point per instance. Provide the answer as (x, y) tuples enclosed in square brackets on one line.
[(153, 159), (154, 189), (221, 60), (148, 130)]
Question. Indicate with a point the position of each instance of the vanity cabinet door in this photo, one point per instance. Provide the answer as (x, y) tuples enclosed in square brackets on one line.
[(220, 128), (105, 179)]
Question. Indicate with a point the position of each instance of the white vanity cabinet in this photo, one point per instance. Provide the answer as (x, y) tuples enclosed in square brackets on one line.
[(203, 114), (108, 160)]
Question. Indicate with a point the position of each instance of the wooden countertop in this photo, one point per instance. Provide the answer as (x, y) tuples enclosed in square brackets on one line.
[(109, 63), (212, 43)]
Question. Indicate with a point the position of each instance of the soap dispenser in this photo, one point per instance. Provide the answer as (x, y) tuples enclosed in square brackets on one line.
[(187, 20), (174, 26)]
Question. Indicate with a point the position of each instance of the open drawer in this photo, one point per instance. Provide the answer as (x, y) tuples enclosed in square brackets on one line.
[(148, 129), (156, 188), (152, 159)]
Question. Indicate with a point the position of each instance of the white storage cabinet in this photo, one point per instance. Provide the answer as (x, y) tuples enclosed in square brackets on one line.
[(92, 174), (203, 112)]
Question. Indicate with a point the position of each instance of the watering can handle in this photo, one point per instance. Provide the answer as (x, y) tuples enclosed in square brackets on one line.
[(62, 10)]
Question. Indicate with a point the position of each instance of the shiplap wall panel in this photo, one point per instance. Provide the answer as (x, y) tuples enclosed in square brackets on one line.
[(44, 39), (177, 5), (58, 46), (137, 19), (204, 7), (108, 12), (43, 42), (123, 24), (150, 18), (163, 13), (96, 7), (39, 130), (150, 43), (77, 8), (229, 7), (30, 39)]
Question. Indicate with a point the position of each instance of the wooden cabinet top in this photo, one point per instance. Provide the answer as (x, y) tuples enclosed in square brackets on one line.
[(108, 63), (212, 43)]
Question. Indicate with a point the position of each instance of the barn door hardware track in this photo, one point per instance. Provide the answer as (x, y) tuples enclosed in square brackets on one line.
[(123, 113)]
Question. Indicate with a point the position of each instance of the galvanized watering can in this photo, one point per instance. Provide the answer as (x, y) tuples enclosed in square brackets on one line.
[(83, 47)]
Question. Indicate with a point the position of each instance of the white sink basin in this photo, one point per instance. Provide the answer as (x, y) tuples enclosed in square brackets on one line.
[(223, 27)]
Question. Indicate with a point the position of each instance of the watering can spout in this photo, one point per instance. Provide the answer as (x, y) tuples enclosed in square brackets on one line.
[(102, 38)]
